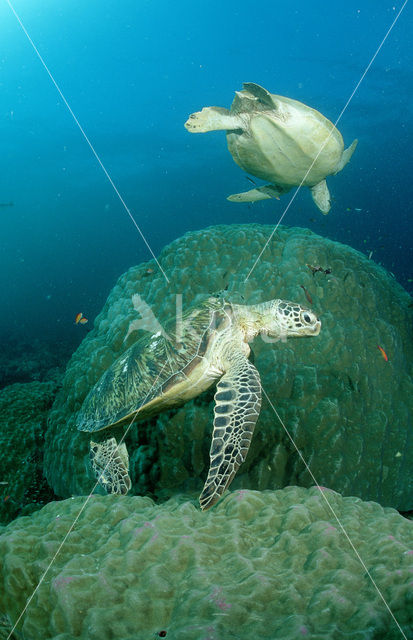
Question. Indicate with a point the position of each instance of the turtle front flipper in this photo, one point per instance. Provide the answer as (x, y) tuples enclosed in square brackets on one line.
[(110, 464), (259, 193), (237, 407), (262, 94), (213, 119)]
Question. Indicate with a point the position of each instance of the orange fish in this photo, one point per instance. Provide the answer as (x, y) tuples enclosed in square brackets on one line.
[(149, 271), (78, 318), (83, 320), (383, 353), (6, 498)]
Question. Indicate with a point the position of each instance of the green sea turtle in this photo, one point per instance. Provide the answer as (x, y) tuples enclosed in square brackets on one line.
[(168, 368), (277, 139)]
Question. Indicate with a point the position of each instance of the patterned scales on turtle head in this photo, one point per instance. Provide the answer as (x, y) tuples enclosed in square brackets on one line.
[(216, 336)]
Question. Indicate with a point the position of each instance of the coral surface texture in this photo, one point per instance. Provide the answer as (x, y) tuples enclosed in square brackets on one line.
[(261, 565), (23, 415)]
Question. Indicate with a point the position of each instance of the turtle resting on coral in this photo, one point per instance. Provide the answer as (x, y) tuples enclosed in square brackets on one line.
[(277, 139), (161, 371)]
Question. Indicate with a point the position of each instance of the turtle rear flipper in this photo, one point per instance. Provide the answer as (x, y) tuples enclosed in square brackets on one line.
[(259, 193), (110, 464), (321, 196), (213, 119), (347, 153), (237, 407)]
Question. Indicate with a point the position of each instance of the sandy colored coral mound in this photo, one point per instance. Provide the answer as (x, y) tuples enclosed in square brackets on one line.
[(346, 408), (270, 565)]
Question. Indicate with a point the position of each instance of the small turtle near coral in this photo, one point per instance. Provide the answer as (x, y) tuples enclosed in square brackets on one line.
[(165, 370), (277, 139)]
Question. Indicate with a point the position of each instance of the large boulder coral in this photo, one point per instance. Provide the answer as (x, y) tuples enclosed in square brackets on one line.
[(342, 405), (269, 565), (23, 414)]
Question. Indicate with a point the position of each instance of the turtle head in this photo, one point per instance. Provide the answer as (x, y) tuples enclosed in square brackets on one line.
[(284, 319)]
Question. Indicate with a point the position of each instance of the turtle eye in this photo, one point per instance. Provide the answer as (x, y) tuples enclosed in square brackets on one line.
[(307, 318)]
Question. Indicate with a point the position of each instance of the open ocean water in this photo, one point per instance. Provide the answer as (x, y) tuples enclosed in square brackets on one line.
[(132, 72)]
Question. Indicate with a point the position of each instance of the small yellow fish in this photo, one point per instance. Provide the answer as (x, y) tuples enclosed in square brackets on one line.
[(83, 320), (78, 318)]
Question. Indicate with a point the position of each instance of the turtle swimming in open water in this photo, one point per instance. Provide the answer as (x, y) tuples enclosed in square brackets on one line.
[(277, 139), (164, 370)]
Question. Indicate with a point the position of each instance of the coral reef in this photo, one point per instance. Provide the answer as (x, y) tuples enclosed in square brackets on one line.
[(345, 407), (269, 565), (37, 360), (23, 413)]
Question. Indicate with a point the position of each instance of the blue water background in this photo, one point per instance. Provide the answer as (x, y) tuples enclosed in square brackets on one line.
[(132, 71)]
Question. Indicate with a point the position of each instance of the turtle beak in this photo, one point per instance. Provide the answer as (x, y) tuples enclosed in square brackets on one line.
[(312, 325), (317, 328), (313, 329)]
